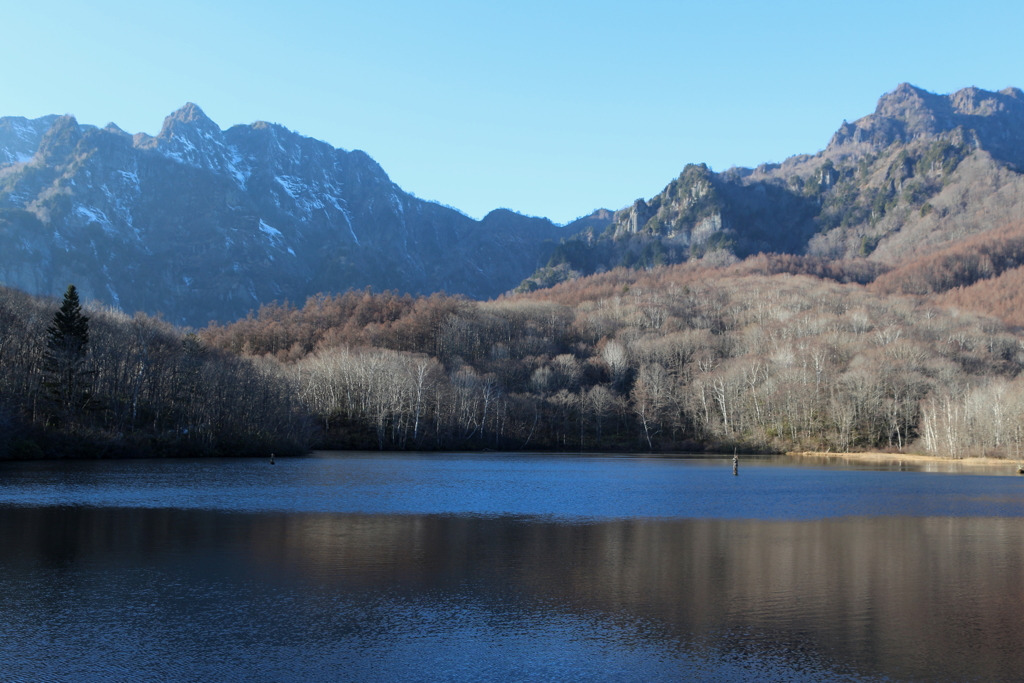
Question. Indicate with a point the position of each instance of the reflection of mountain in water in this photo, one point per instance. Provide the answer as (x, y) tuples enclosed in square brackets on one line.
[(903, 597)]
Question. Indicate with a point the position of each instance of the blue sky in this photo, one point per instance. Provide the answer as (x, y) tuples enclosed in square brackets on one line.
[(549, 108)]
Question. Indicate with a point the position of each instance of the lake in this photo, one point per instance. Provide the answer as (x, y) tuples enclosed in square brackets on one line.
[(500, 567)]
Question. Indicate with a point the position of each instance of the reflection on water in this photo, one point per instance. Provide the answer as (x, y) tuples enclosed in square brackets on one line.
[(158, 594), (485, 568)]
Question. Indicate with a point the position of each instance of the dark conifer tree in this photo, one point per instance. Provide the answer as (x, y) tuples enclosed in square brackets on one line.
[(69, 331), (67, 378)]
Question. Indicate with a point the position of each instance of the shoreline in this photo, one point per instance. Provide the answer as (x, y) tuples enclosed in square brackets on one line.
[(878, 458)]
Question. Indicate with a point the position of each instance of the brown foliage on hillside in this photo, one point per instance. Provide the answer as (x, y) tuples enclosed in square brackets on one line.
[(977, 258), (1001, 297), (858, 270), (672, 278), (648, 360), (355, 318)]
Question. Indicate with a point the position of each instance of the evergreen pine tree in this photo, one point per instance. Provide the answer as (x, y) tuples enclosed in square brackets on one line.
[(69, 331), (67, 378)]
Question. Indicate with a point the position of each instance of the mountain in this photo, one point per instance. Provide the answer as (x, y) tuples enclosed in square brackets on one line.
[(19, 137), (201, 223), (922, 171)]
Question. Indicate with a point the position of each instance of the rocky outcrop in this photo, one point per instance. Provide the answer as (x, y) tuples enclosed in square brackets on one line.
[(922, 170), (20, 137), (200, 223), (993, 121)]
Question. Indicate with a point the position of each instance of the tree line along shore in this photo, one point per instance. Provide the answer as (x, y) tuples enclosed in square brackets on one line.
[(680, 358)]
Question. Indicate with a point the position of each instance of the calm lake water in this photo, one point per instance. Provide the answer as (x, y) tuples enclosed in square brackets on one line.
[(391, 568)]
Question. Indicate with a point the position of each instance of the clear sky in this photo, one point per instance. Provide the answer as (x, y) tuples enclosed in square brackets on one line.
[(551, 108)]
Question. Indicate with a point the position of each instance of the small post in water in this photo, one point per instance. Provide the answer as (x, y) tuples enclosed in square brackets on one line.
[(735, 463), (271, 458)]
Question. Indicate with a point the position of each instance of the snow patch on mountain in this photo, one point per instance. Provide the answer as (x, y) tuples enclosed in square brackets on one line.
[(183, 204), (131, 178), (291, 185), (273, 233), (94, 215), (397, 204), (234, 164)]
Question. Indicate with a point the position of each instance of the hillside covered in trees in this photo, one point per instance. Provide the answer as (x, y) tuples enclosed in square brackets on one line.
[(777, 352), (116, 385), (676, 358)]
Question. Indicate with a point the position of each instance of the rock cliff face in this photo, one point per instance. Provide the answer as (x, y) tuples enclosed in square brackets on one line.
[(919, 172), (908, 114), (201, 223), (19, 137)]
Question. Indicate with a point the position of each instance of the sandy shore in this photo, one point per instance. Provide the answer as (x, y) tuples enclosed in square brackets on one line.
[(908, 459)]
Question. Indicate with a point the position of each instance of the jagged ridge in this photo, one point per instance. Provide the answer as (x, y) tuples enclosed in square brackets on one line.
[(922, 170), (201, 224)]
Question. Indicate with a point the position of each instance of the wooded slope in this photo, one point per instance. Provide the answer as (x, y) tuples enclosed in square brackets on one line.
[(675, 358), (145, 389)]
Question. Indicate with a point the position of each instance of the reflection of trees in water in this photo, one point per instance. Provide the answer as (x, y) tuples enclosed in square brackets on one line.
[(903, 596)]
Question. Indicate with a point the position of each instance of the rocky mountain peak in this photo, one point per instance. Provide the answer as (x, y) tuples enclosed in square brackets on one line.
[(202, 224), (188, 122), (115, 129), (190, 137), (977, 102), (19, 137), (912, 105), (908, 113), (60, 140), (919, 110), (890, 183), (189, 113)]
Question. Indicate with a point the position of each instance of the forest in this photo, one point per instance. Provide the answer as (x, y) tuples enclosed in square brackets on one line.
[(774, 353), (120, 386)]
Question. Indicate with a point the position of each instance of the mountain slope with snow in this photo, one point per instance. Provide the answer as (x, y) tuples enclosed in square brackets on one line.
[(200, 223)]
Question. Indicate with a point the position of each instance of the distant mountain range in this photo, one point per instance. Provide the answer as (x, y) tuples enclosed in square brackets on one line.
[(200, 223), (920, 172)]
